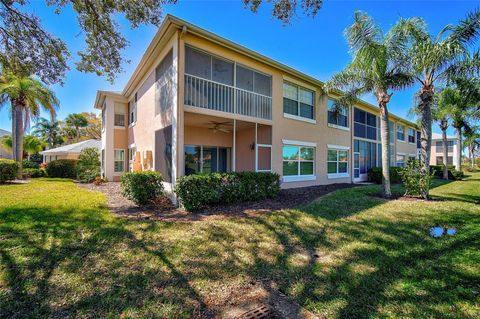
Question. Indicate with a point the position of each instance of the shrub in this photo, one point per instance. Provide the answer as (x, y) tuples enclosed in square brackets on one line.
[(63, 168), (33, 173), (29, 164), (88, 165), (375, 174), (142, 187), (8, 170), (414, 181), (457, 175), (201, 190), (437, 171)]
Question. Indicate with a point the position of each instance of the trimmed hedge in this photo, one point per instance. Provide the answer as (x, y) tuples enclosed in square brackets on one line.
[(375, 175), (33, 173), (29, 164), (202, 190), (142, 187), (63, 168), (88, 165), (8, 170), (453, 174)]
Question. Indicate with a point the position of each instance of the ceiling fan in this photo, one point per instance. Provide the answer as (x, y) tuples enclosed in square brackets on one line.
[(217, 127)]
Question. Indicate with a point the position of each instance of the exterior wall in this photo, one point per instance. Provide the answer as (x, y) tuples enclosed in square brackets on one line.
[(404, 147), (49, 158)]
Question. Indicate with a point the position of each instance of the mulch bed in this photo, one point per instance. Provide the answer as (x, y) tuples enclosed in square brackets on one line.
[(165, 211)]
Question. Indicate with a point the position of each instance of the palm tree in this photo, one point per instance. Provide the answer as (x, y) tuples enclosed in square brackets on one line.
[(472, 142), (433, 60), (31, 144), (48, 130), (26, 96), (376, 68), (76, 121)]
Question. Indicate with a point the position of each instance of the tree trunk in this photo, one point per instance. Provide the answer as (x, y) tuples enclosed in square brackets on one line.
[(426, 101), (445, 151), (458, 154), (385, 140), (17, 133), (472, 155)]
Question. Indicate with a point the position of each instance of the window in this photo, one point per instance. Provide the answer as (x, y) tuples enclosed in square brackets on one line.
[(119, 161), (411, 135), (132, 106), (104, 109), (131, 156), (419, 141), (119, 119), (253, 81), (440, 160), (391, 128), (206, 159), (365, 124), (298, 101), (337, 162), (298, 160), (400, 160), (337, 116), (439, 146), (400, 132)]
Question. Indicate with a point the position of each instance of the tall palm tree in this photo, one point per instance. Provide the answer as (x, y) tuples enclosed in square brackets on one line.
[(377, 68), (26, 95), (76, 121), (48, 130), (433, 60), (31, 144), (472, 142)]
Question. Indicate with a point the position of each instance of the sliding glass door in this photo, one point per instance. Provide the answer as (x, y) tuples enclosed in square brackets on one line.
[(365, 157), (207, 159)]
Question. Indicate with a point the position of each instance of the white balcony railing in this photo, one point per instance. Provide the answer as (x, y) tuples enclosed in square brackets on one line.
[(225, 98)]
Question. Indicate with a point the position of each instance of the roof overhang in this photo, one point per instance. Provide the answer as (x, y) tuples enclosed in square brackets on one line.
[(101, 95)]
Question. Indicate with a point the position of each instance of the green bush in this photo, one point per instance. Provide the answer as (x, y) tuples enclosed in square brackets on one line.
[(29, 164), (8, 170), (201, 190), (375, 174), (142, 187), (88, 165), (63, 168), (414, 181), (457, 175), (33, 173), (437, 171)]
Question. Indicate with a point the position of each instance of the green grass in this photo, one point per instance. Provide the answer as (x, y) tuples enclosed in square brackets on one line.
[(63, 255)]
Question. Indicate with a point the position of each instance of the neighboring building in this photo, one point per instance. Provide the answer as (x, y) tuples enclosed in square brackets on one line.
[(71, 151), (436, 157), (4, 153), (200, 103)]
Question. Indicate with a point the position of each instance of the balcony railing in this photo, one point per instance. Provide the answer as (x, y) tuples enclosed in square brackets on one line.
[(225, 98)]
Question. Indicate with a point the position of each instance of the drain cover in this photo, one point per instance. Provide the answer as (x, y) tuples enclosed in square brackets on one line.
[(262, 312)]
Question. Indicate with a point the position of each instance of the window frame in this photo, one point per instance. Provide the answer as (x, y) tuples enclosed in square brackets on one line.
[(366, 125), (298, 116), (337, 125), (411, 130), (402, 140), (132, 150), (400, 163), (132, 111), (338, 149), (115, 161), (115, 120), (299, 146)]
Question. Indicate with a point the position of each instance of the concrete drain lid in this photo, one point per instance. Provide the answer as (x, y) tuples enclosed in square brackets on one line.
[(262, 312)]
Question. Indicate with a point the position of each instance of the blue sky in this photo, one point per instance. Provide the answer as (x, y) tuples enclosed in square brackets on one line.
[(315, 46)]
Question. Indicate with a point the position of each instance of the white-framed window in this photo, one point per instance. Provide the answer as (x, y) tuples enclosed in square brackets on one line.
[(337, 116), (337, 162), (104, 109), (400, 132), (119, 161), (391, 128), (119, 119), (401, 160), (298, 101), (132, 114), (298, 162), (411, 135)]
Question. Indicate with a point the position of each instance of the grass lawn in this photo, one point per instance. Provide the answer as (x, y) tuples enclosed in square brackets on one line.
[(347, 255)]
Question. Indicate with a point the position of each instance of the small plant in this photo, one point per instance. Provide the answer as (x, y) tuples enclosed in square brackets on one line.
[(33, 173), (415, 183), (98, 181), (88, 165), (29, 164), (8, 170), (142, 187), (64, 168), (375, 175)]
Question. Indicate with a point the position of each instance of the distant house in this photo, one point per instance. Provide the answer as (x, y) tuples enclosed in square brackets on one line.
[(71, 151), (4, 153), (436, 155)]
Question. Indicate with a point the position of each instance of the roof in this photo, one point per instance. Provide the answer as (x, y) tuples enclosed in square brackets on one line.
[(437, 136), (184, 26), (74, 148), (3, 132)]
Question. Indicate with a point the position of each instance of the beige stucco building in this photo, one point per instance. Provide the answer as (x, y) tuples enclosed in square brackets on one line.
[(436, 157), (200, 103)]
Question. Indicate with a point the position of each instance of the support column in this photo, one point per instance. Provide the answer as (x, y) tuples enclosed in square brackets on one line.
[(234, 151)]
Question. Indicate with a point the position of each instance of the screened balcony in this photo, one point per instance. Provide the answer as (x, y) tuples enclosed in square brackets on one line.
[(221, 85)]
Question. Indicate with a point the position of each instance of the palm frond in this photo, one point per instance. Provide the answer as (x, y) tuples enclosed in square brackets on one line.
[(468, 29), (362, 33)]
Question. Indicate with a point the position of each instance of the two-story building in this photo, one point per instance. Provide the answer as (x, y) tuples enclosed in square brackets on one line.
[(436, 157), (200, 103)]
